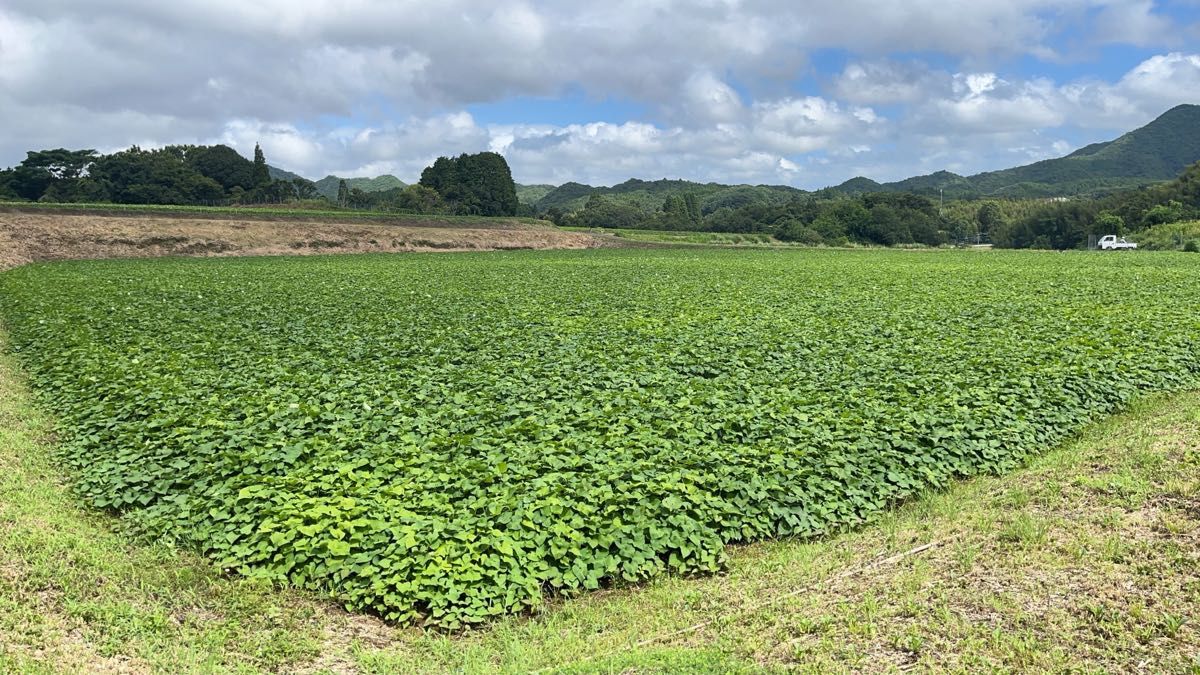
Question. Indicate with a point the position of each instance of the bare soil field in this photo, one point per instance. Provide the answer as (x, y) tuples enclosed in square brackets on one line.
[(33, 237)]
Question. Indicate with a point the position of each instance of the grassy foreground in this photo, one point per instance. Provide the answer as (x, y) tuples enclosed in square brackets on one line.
[(1089, 559)]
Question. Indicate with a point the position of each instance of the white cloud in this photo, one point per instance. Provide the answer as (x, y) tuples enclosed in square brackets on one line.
[(363, 86), (885, 82), (1135, 23), (707, 99)]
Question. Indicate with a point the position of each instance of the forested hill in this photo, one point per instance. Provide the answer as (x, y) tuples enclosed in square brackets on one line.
[(1156, 152), (649, 195), (327, 187)]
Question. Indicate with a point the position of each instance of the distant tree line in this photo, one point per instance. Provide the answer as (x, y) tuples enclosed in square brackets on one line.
[(884, 218), (900, 218), (176, 174), (479, 184), (1068, 224)]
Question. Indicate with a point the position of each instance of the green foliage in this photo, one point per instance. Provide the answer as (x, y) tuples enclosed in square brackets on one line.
[(679, 212), (1064, 224), (44, 170), (261, 174), (177, 175), (1107, 221), (989, 217), (305, 189), (648, 196), (6, 187), (163, 176), (1192, 246), (603, 211), (871, 218), (343, 194), (530, 194), (224, 165), (448, 438), (1169, 237), (479, 184), (414, 198), (798, 231), (1061, 226), (1161, 214), (327, 187)]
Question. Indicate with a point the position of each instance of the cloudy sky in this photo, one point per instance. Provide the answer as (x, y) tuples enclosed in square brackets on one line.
[(791, 92)]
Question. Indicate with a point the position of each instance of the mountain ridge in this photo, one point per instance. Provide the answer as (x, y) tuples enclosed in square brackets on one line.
[(1155, 152), (328, 186)]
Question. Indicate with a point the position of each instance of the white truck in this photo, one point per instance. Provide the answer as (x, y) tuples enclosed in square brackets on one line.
[(1111, 242)]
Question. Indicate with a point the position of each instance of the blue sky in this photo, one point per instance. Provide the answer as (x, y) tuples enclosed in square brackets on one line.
[(758, 91)]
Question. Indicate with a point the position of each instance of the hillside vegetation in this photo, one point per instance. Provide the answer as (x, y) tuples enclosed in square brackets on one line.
[(1064, 225), (328, 186), (649, 195), (1156, 152)]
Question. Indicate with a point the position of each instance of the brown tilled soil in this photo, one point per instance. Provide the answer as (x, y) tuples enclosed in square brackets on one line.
[(30, 237)]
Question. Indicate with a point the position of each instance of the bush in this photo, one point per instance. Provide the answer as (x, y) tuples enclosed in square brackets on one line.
[(797, 231), (1192, 246)]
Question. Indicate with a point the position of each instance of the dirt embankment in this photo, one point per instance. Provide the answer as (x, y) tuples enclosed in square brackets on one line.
[(32, 237)]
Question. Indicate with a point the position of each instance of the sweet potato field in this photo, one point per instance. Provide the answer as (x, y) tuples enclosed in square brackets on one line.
[(442, 439)]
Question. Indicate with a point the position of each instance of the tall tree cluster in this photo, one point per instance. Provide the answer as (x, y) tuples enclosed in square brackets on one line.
[(177, 174), (479, 184)]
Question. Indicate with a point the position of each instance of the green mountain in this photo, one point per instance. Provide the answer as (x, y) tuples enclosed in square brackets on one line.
[(859, 184), (649, 195), (280, 174), (530, 194), (1156, 152), (328, 186)]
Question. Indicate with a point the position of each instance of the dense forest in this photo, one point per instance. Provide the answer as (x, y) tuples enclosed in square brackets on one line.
[(1064, 225), (177, 174), (883, 218), (479, 184), (899, 218)]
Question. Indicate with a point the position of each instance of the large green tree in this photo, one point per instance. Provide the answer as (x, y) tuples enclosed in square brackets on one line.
[(6, 190), (43, 169), (137, 176), (343, 194), (990, 217), (479, 184), (262, 174), (224, 165)]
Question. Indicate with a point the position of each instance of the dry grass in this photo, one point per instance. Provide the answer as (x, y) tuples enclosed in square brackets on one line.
[(32, 237)]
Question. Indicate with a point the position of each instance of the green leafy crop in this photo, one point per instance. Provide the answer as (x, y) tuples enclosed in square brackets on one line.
[(448, 438)]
